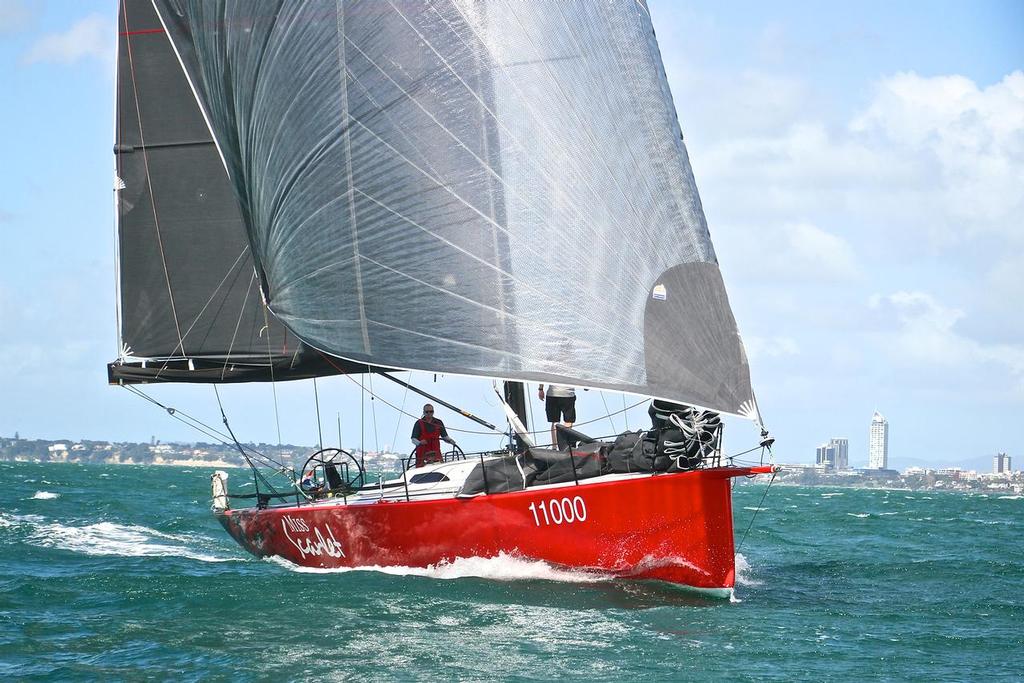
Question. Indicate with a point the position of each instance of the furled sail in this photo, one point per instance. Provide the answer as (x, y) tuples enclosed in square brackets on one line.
[(189, 304), (488, 187)]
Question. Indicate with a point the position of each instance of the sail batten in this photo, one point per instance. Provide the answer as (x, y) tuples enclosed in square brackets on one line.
[(477, 187)]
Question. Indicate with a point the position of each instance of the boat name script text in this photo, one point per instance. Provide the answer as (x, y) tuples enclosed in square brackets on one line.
[(559, 511), (317, 543)]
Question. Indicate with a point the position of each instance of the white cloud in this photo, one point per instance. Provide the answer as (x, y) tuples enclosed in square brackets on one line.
[(91, 37), (974, 136), (799, 252), (933, 159), (926, 334)]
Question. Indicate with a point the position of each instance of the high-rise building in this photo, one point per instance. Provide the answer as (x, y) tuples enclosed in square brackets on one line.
[(1002, 463), (825, 455), (842, 447), (834, 455), (878, 443)]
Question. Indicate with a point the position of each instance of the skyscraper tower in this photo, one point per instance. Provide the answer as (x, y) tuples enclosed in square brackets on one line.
[(878, 443)]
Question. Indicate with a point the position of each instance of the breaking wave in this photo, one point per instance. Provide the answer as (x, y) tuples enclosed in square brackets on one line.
[(504, 567), (45, 495), (106, 539)]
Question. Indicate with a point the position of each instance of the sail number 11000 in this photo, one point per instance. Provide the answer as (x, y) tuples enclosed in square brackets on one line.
[(559, 511)]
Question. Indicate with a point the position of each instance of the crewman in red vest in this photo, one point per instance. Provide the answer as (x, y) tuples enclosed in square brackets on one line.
[(427, 434)]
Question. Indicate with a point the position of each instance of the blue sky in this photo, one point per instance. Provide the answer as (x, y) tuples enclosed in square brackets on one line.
[(861, 167)]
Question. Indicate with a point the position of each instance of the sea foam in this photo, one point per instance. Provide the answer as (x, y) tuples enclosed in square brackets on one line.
[(503, 567), (124, 540), (744, 572)]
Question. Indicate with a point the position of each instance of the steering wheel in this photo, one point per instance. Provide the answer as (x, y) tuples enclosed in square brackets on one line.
[(348, 474)]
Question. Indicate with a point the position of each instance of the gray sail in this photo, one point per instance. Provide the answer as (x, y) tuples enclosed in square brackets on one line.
[(189, 304), (487, 187)]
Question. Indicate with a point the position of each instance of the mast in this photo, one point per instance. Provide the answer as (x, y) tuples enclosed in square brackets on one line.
[(515, 397)]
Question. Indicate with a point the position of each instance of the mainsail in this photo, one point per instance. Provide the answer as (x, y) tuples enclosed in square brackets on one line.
[(189, 306), (485, 187)]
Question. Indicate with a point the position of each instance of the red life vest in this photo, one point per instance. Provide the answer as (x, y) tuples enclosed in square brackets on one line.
[(431, 450)]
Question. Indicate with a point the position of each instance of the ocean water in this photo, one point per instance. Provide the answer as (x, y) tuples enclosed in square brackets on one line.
[(121, 573)]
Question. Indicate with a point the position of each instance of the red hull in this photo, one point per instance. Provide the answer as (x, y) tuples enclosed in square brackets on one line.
[(671, 527)]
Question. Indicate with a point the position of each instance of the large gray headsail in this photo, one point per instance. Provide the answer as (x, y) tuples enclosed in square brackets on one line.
[(487, 187)]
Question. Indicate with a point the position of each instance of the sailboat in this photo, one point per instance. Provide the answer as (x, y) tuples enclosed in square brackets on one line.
[(483, 188)]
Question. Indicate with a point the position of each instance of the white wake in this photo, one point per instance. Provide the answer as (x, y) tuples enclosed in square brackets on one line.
[(109, 539), (503, 567)]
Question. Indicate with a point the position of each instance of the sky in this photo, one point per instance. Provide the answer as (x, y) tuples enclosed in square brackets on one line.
[(862, 172)]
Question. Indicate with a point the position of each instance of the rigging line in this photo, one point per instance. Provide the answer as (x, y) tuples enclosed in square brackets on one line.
[(373, 412), (255, 472), (754, 516), (609, 415), (238, 323), (262, 458), (199, 315), (749, 450), (316, 399), (392, 405), (529, 403), (216, 315), (596, 419), (203, 428), (173, 413), (362, 412), (149, 177), (273, 384), (394, 438)]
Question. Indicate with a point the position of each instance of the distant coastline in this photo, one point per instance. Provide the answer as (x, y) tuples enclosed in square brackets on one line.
[(911, 479), (219, 456), (211, 455)]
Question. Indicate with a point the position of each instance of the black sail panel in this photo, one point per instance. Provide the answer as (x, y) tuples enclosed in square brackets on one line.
[(189, 297), (487, 187)]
